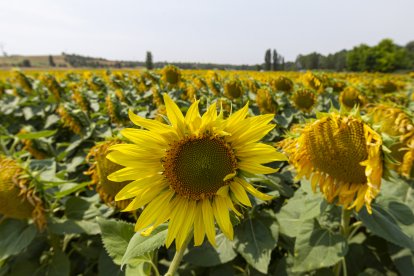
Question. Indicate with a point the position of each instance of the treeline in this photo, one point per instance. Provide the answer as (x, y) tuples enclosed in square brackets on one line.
[(386, 56), (84, 61)]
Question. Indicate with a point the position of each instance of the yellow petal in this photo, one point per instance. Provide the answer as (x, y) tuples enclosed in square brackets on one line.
[(134, 187), (155, 209), (150, 124), (174, 114), (144, 138), (208, 218), (199, 231), (240, 193), (193, 118), (145, 197), (255, 168), (249, 187), (176, 220), (188, 222), (221, 213), (126, 174)]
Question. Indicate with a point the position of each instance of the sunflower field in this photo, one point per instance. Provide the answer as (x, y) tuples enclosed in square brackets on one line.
[(191, 172)]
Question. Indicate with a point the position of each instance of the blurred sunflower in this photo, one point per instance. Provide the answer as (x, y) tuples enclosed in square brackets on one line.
[(265, 101), (17, 199), (342, 155), (351, 97), (304, 100), (171, 75), (189, 172)]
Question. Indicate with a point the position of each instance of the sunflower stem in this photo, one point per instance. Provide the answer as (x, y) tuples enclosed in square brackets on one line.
[(177, 258), (345, 231)]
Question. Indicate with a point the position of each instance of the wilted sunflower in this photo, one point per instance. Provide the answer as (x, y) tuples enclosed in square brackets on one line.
[(350, 97), (189, 172), (17, 200), (304, 100), (396, 123), (342, 155)]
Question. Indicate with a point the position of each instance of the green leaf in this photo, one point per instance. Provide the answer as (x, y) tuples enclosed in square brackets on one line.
[(302, 206), (383, 223), (206, 255), (107, 267), (78, 208), (63, 226), (255, 238), (59, 266), (36, 135), (403, 259), (139, 245), (317, 247), (115, 237), (15, 236)]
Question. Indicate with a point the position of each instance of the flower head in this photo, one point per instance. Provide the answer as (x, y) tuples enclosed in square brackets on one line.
[(340, 154), (189, 172), (304, 100)]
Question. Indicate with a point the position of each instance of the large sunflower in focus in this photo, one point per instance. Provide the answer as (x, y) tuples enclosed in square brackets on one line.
[(340, 154), (189, 171)]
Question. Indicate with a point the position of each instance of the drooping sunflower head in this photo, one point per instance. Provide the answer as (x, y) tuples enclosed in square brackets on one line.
[(171, 74), (32, 146), (385, 86), (69, 118), (52, 85), (189, 172), (395, 122), (114, 109), (99, 170), (22, 81), (340, 154), (265, 101), (17, 199), (312, 81), (304, 100), (233, 89), (80, 98), (282, 83), (392, 120), (351, 97)]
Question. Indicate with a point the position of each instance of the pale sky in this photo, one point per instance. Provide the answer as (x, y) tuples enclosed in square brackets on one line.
[(219, 31)]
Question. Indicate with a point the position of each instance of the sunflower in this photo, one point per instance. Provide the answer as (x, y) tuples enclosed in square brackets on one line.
[(282, 83), (351, 97), (171, 75), (190, 171), (265, 101), (342, 155), (99, 170), (396, 123), (304, 100), (233, 89), (17, 199)]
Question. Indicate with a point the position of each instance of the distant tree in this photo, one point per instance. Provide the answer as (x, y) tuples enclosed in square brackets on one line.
[(148, 61), (51, 62), (26, 63), (268, 60), (275, 63)]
